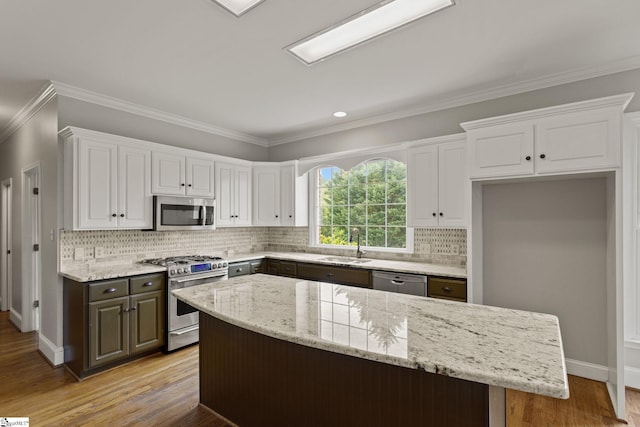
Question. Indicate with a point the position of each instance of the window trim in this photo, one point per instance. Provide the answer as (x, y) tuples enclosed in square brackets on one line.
[(314, 217)]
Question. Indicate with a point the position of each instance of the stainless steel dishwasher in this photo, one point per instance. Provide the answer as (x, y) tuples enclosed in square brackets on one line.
[(412, 284)]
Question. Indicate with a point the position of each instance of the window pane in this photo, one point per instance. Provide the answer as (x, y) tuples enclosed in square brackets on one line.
[(376, 193), (358, 175), (397, 215), (325, 215), (376, 171), (325, 233), (396, 192), (341, 235), (358, 216), (340, 215), (324, 177), (377, 215), (375, 236), (396, 171), (340, 195), (397, 237), (357, 194)]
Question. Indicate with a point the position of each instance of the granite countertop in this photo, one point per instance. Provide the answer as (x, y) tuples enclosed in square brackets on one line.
[(496, 346), (364, 263), (91, 272)]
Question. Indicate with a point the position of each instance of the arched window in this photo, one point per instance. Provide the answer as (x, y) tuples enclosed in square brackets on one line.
[(371, 198)]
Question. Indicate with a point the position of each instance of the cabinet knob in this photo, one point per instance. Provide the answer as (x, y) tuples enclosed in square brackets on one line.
[(238, 270), (329, 274), (109, 291), (542, 156), (447, 289), (114, 215), (147, 284), (276, 216), (290, 216), (441, 214), (134, 308), (189, 185), (528, 158), (126, 310), (434, 214), (121, 215), (182, 185)]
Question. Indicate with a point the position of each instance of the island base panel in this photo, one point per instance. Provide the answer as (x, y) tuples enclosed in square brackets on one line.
[(256, 380)]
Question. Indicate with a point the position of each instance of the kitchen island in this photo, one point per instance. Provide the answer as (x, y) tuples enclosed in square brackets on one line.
[(282, 351)]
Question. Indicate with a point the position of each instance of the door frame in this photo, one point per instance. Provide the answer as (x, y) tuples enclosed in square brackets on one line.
[(31, 234), (6, 226)]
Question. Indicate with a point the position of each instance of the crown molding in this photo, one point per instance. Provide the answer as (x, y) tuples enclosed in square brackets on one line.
[(69, 91), (467, 98), (44, 95)]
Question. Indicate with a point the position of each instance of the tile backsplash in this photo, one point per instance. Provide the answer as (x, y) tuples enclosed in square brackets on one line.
[(438, 245)]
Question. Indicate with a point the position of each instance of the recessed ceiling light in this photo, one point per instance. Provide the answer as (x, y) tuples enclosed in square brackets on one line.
[(364, 26), (238, 7), (339, 114)]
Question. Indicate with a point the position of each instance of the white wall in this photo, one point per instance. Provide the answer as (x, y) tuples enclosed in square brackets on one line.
[(447, 122), (73, 112), (545, 250), (35, 141)]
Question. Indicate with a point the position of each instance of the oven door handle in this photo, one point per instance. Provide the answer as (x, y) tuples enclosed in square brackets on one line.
[(186, 331), (192, 278)]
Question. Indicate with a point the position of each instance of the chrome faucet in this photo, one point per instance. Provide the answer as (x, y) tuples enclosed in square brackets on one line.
[(356, 232)]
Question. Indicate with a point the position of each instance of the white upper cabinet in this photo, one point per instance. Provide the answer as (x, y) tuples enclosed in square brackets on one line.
[(180, 175), (294, 197), (266, 195), (233, 190), (107, 184), (579, 137), (437, 183), (279, 196)]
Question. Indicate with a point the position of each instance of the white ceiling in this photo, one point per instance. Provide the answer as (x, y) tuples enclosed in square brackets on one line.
[(193, 59)]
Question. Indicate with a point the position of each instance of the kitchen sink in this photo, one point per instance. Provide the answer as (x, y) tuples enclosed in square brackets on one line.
[(345, 260)]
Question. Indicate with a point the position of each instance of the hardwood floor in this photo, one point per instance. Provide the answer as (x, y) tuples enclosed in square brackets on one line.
[(162, 390)]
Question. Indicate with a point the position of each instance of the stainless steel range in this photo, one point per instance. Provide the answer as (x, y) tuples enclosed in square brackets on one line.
[(182, 272)]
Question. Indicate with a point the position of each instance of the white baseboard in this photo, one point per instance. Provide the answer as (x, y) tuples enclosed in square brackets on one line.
[(50, 351), (587, 370), (15, 318)]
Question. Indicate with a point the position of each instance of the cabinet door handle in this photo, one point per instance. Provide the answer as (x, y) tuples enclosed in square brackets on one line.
[(447, 289), (238, 270), (542, 156), (147, 284), (329, 274), (527, 158), (109, 291)]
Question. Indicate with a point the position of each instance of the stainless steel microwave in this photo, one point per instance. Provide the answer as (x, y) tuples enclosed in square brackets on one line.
[(183, 213)]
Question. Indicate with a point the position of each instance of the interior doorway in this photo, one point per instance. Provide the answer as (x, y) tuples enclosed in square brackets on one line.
[(5, 244), (31, 262)]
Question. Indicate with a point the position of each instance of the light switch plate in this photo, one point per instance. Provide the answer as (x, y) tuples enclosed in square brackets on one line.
[(78, 254), (98, 252)]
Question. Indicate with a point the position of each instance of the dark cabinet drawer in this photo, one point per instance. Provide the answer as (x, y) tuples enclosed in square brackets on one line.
[(445, 288), (287, 268), (147, 283), (340, 275), (257, 266), (239, 269), (110, 289)]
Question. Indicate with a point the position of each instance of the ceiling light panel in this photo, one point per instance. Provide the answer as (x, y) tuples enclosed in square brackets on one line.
[(238, 7), (364, 26)]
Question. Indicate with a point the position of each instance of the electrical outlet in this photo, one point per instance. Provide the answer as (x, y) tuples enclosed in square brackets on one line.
[(78, 254), (98, 252)]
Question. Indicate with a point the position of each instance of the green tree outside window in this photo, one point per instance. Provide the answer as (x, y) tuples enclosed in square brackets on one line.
[(370, 197)]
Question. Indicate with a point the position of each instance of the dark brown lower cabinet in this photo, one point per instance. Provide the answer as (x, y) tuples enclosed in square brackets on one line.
[(447, 288), (332, 274), (111, 321), (257, 380)]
